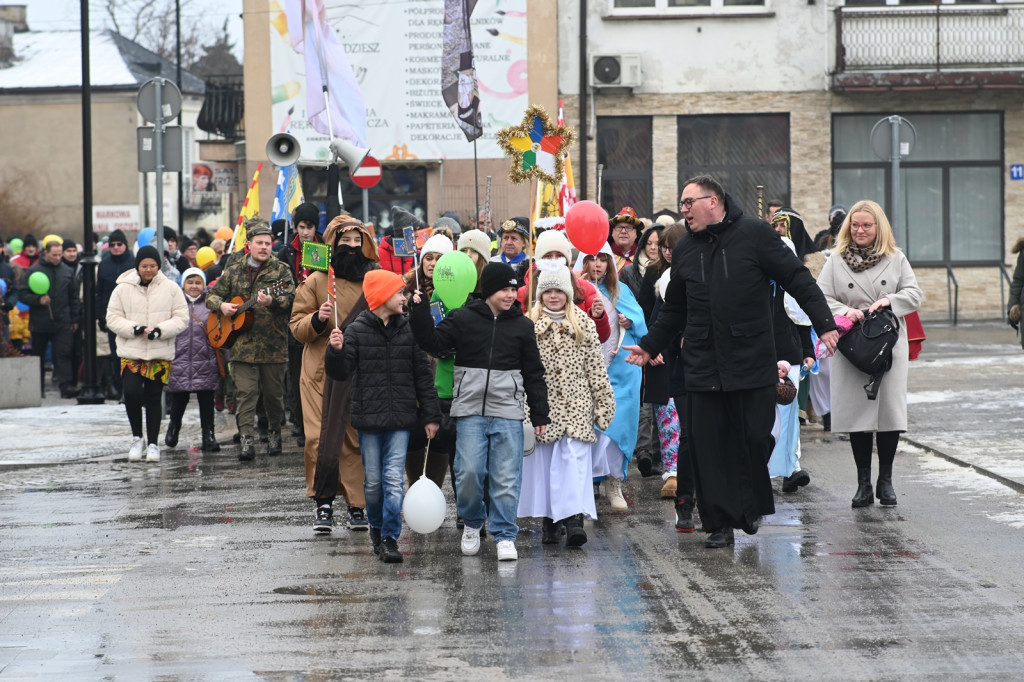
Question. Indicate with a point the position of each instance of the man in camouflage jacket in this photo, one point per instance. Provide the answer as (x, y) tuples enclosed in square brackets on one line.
[(260, 355)]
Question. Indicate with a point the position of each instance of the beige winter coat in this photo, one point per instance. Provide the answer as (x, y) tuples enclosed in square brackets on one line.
[(161, 304), (845, 290), (580, 396)]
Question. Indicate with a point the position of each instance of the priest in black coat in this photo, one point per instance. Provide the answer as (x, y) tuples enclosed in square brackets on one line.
[(719, 297)]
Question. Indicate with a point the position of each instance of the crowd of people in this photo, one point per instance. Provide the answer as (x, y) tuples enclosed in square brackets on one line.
[(695, 347)]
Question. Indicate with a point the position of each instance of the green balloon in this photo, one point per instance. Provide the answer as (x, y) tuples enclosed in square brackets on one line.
[(39, 283), (16, 245), (454, 278)]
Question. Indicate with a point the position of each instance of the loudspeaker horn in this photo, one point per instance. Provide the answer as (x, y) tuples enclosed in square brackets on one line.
[(283, 149), (352, 155)]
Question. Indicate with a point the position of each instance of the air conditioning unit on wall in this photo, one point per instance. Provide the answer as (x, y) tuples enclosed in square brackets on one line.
[(616, 71)]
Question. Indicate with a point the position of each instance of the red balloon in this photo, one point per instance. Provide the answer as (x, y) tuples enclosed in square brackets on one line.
[(586, 225)]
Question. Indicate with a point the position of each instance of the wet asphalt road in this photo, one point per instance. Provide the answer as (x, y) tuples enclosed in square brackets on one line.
[(201, 568)]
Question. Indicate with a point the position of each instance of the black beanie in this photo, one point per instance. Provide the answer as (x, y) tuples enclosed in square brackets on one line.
[(495, 277), (147, 252), (308, 212), (69, 244), (118, 236), (30, 240)]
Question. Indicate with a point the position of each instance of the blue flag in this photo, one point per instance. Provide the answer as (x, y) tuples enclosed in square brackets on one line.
[(406, 246)]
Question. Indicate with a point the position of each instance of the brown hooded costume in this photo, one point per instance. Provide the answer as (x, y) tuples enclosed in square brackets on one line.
[(323, 397)]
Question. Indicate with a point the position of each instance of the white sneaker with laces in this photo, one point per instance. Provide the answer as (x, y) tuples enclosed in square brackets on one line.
[(135, 453), (470, 541), (507, 551), (615, 498), (153, 453)]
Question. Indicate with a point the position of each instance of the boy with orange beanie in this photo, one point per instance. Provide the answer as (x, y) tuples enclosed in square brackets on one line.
[(393, 391)]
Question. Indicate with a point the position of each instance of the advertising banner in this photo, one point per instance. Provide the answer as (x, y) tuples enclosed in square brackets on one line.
[(395, 48)]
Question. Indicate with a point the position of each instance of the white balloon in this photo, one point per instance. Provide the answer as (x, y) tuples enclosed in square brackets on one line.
[(424, 506)]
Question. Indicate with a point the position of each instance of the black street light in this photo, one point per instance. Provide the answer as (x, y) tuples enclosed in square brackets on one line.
[(91, 393)]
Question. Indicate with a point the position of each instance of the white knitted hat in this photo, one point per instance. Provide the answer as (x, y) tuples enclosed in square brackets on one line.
[(552, 274), (438, 243), (478, 241), (553, 240)]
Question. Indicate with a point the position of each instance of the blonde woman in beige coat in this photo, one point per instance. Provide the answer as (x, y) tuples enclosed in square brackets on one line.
[(867, 273)]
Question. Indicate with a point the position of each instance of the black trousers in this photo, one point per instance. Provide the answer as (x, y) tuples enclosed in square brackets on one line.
[(141, 392), (731, 442), (179, 401), (63, 348)]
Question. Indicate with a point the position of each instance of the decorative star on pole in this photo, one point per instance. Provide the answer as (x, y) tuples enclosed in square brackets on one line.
[(536, 147)]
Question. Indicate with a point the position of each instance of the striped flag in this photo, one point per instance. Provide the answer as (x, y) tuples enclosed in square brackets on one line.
[(250, 209)]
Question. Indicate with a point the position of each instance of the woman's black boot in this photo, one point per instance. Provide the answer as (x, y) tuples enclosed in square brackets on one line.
[(171, 438), (886, 493), (210, 443), (864, 496)]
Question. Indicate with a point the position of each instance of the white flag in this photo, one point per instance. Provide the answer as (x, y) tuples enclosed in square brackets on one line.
[(327, 68)]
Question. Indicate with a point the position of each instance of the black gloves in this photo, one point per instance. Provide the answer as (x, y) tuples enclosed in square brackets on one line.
[(155, 334), (138, 330), (103, 325)]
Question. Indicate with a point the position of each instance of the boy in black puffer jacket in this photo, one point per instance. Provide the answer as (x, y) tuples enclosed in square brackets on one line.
[(393, 391)]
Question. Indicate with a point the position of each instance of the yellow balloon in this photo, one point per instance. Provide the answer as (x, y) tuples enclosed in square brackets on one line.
[(205, 257), (52, 237)]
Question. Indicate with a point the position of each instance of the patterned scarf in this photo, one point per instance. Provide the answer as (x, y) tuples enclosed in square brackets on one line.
[(860, 258)]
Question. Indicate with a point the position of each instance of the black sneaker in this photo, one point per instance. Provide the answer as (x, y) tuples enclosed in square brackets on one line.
[(375, 540), (389, 553), (720, 539), (551, 532), (357, 519), (684, 517), (324, 521)]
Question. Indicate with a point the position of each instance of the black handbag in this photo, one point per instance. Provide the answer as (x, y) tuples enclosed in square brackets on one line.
[(868, 346)]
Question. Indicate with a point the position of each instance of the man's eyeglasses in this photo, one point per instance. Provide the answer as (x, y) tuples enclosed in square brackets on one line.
[(688, 203), (113, 244), (624, 227)]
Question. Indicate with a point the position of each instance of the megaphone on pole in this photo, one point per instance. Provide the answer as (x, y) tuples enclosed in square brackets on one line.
[(350, 154), (283, 149)]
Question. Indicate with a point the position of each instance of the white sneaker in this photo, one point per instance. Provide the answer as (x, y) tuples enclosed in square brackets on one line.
[(507, 550), (470, 541), (615, 498), (153, 453), (135, 453)]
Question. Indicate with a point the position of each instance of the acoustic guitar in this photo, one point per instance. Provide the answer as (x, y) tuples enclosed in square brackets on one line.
[(223, 331)]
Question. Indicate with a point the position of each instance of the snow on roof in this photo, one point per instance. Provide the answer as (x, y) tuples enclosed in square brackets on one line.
[(53, 59)]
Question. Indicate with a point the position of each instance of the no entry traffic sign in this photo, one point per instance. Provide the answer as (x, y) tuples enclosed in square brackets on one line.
[(368, 174)]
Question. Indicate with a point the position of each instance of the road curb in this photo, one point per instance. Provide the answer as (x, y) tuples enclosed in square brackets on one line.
[(1008, 482)]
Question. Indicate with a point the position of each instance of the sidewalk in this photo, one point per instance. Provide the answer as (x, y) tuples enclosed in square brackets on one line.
[(965, 398)]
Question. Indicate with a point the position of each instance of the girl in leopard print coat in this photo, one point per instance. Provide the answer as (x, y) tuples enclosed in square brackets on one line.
[(557, 477)]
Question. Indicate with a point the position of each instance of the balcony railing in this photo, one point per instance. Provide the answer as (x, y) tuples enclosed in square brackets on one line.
[(942, 37)]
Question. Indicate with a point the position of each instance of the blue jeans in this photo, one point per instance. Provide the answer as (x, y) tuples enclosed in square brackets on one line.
[(489, 447), (383, 470)]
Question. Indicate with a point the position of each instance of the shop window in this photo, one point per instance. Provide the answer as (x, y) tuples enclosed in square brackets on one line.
[(951, 185)]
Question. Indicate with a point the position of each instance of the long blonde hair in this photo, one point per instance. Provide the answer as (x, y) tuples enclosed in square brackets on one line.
[(572, 313), (885, 240)]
